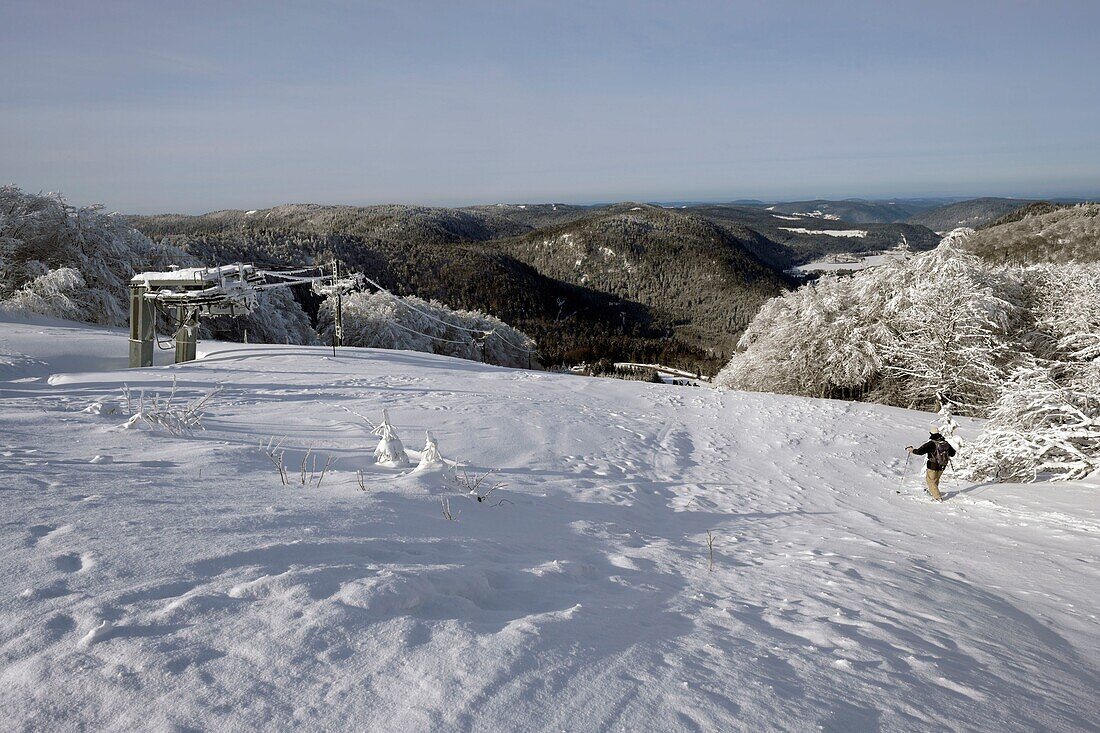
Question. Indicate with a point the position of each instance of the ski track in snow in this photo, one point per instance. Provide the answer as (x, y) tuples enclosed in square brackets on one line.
[(177, 586)]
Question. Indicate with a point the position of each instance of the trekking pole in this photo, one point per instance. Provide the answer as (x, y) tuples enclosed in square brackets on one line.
[(905, 471)]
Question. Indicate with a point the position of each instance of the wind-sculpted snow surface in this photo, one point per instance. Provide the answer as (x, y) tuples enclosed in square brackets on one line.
[(153, 582)]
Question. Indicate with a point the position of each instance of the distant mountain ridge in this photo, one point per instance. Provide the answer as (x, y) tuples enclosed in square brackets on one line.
[(972, 213)]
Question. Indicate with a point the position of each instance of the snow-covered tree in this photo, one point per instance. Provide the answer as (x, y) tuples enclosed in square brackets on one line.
[(951, 318), (948, 330), (383, 321), (40, 233), (55, 293), (1045, 423), (76, 263), (1064, 301), (914, 333)]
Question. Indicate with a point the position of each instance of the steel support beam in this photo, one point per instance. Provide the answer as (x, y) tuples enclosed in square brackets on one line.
[(187, 334), (142, 325)]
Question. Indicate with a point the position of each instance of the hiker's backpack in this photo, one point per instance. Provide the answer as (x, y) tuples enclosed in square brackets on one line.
[(941, 454)]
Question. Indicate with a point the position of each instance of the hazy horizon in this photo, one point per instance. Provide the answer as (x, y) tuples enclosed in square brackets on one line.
[(153, 109)]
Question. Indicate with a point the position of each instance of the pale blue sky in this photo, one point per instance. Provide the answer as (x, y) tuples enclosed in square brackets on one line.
[(194, 106)]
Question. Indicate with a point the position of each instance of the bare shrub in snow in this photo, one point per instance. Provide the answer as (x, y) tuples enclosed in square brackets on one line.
[(476, 485), (307, 480), (445, 505)]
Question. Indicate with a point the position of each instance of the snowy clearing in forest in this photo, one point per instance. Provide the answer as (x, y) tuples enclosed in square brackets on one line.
[(850, 233), (851, 262), (661, 558)]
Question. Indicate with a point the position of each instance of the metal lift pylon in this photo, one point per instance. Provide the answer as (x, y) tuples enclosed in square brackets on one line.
[(183, 295)]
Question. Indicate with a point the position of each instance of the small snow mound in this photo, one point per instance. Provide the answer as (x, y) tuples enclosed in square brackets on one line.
[(102, 407), (98, 634)]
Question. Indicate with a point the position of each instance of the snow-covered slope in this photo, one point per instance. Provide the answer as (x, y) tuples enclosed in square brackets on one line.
[(175, 584)]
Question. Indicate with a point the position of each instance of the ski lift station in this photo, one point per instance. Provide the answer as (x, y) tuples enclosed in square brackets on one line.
[(181, 296)]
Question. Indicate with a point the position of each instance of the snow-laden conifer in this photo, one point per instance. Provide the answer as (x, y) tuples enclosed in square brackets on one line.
[(390, 452), (430, 456)]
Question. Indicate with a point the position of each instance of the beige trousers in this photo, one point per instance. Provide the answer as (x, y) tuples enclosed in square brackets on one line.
[(932, 478)]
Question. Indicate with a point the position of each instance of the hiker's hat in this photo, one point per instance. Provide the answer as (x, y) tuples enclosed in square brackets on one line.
[(934, 429)]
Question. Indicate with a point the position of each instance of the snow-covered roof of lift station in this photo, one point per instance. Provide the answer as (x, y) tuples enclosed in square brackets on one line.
[(188, 275)]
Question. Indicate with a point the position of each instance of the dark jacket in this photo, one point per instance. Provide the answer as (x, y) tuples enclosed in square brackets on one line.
[(929, 449)]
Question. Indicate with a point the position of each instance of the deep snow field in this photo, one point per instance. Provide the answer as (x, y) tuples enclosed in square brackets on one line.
[(172, 584)]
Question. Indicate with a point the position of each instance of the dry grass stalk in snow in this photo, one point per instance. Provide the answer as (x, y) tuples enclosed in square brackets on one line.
[(179, 419), (445, 504), (273, 450)]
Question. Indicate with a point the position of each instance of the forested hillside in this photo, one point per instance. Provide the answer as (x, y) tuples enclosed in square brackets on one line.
[(1042, 232), (691, 288), (695, 277), (860, 211), (972, 213)]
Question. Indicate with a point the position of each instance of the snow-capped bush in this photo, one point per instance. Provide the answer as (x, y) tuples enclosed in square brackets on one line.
[(383, 321), (390, 451), (55, 293), (430, 456)]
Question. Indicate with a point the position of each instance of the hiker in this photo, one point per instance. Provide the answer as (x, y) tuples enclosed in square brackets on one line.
[(939, 453)]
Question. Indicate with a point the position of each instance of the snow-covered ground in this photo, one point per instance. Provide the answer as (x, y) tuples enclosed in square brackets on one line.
[(175, 584), (847, 233), (860, 262)]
